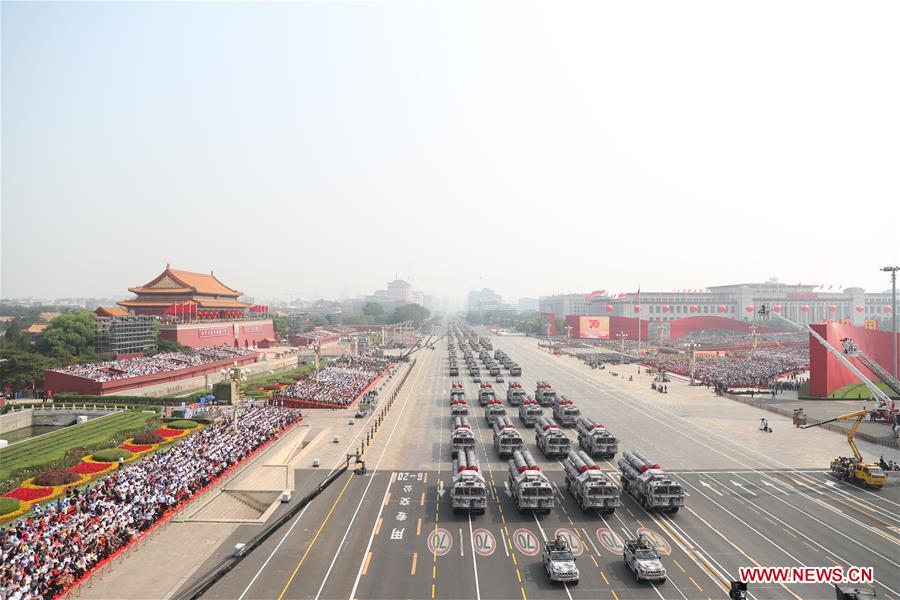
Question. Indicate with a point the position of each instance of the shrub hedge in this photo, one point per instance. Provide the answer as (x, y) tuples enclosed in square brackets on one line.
[(138, 400), (111, 455), (53, 478), (148, 437), (182, 424)]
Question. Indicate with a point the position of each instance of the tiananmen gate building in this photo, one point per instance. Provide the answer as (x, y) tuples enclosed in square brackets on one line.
[(199, 310)]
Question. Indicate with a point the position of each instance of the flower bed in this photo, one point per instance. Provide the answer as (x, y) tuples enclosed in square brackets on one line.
[(91, 468), (29, 494), (136, 449), (169, 434)]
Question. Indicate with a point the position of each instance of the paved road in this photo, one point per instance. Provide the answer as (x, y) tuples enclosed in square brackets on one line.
[(393, 535)]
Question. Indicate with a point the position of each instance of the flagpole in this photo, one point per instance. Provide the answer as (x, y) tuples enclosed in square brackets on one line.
[(639, 323)]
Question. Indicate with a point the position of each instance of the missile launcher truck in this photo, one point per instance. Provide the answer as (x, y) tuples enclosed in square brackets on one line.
[(649, 484)]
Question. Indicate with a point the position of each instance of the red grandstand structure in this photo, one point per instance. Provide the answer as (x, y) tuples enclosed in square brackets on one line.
[(56, 381), (827, 374)]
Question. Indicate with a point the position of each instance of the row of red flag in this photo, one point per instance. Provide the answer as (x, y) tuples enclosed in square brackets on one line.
[(188, 310)]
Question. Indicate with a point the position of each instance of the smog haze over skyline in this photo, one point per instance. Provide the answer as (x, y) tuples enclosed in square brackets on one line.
[(318, 150)]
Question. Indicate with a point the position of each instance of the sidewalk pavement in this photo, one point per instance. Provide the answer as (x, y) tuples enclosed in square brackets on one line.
[(876, 432)]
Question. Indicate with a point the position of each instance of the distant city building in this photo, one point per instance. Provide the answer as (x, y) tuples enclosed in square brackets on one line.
[(801, 303), (486, 299), (563, 305), (528, 304), (399, 290), (397, 294), (297, 321)]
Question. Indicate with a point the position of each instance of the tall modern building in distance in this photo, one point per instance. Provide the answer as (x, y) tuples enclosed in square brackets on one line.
[(399, 291), (528, 304), (486, 299)]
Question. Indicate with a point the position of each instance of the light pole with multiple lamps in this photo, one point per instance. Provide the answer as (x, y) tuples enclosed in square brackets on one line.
[(693, 347), (893, 272), (622, 335)]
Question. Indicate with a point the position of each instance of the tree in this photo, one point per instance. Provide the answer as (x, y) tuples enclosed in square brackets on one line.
[(280, 324), (21, 370), (14, 334), (164, 345), (409, 312), (372, 309), (316, 321), (68, 336)]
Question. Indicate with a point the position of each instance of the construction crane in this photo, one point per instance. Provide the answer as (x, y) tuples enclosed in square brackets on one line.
[(849, 469), (855, 469)]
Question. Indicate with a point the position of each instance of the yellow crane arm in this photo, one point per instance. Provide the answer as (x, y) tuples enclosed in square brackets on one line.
[(851, 433), (858, 415)]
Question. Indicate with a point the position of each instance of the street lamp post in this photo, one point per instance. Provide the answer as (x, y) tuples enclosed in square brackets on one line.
[(693, 347), (893, 272), (548, 337), (568, 333)]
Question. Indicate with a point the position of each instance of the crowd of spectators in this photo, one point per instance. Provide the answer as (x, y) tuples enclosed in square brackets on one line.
[(150, 365), (757, 368), (319, 335), (338, 385), (42, 555), (720, 338)]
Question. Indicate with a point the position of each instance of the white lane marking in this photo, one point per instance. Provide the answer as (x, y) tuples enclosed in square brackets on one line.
[(741, 485), (772, 485), (755, 530), (705, 484), (350, 445), (366, 491), (474, 563), (461, 543), (281, 541), (505, 548), (837, 531), (590, 541)]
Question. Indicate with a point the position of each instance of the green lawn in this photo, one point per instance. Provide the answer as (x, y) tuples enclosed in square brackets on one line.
[(52, 447), (855, 391), (278, 377)]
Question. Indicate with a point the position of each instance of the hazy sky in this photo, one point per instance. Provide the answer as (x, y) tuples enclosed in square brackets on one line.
[(319, 149)]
